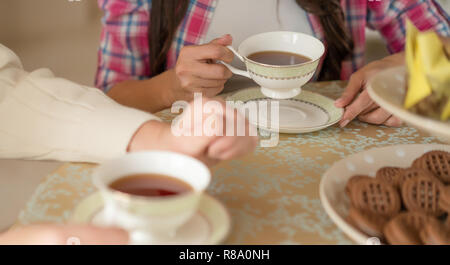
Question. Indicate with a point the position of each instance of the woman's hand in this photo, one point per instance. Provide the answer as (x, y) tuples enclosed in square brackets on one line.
[(209, 146), (64, 235), (196, 70), (357, 101)]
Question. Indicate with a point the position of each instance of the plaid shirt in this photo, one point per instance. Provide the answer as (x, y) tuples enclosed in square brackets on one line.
[(124, 55)]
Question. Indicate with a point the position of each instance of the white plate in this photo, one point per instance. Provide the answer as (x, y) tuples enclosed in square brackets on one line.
[(307, 112), (332, 186), (211, 225), (388, 88)]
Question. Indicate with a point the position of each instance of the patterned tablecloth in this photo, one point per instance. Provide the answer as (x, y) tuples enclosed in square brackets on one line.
[(272, 194)]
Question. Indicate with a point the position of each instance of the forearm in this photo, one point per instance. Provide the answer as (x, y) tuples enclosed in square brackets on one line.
[(82, 125), (396, 59), (45, 117), (152, 95)]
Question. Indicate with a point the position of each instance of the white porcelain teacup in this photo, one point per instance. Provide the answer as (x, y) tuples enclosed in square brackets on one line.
[(151, 218), (280, 82)]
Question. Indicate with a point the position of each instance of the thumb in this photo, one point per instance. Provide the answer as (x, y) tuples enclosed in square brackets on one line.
[(225, 40), (354, 86)]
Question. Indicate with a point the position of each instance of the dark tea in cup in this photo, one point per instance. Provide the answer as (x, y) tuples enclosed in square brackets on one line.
[(151, 185), (278, 58)]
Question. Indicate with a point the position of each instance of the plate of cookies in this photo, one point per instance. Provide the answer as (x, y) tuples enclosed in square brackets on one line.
[(395, 195)]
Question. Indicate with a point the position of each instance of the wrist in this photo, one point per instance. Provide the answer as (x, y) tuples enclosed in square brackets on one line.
[(151, 135), (170, 95)]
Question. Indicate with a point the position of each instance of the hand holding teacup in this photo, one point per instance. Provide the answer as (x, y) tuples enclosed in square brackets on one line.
[(194, 73)]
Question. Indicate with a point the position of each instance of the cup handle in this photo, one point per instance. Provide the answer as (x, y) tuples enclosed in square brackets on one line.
[(233, 69), (236, 53)]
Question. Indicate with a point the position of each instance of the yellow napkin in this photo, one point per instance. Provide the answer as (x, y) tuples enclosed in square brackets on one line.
[(428, 67)]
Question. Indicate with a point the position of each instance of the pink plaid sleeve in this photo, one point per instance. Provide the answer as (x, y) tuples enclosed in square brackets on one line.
[(123, 52), (389, 18)]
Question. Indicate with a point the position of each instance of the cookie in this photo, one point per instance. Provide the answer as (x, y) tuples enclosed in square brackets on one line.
[(351, 182), (375, 197), (390, 175), (370, 224), (435, 233), (421, 194), (444, 200), (404, 229), (437, 162), (411, 173)]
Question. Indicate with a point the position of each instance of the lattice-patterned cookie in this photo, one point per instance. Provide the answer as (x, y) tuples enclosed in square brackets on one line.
[(352, 181), (390, 175), (437, 162), (444, 200), (422, 194), (412, 172), (375, 197)]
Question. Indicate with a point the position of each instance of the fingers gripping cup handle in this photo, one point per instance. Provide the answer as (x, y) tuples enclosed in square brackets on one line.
[(236, 71), (233, 69), (236, 53)]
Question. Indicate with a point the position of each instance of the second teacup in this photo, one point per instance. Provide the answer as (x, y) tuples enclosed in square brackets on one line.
[(151, 194)]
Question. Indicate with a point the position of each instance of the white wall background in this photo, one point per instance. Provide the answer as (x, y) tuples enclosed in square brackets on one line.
[(58, 34)]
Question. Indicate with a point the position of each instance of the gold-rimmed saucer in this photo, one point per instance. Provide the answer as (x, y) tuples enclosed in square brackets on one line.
[(209, 226)]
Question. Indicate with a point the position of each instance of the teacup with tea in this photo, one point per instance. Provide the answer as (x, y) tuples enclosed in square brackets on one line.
[(280, 62), (151, 194)]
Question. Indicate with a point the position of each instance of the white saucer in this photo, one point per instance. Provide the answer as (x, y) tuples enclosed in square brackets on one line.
[(332, 186), (388, 89), (209, 226), (304, 113)]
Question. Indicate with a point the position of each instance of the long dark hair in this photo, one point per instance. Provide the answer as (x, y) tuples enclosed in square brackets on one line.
[(166, 16)]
